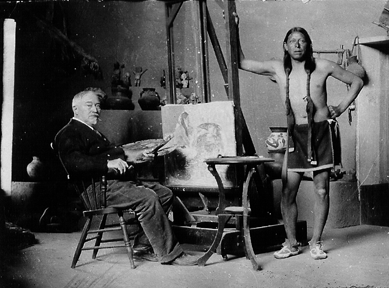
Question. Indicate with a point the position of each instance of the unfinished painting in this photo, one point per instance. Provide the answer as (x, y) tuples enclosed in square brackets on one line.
[(199, 132)]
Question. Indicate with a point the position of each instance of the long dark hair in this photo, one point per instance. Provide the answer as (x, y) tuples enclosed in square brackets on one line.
[(310, 64)]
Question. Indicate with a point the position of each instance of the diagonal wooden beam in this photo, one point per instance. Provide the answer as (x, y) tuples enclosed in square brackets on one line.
[(218, 51), (230, 74), (173, 11)]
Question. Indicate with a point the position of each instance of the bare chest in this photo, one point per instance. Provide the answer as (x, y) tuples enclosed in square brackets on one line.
[(300, 85)]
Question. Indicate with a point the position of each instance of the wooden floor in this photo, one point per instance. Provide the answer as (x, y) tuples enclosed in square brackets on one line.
[(357, 257)]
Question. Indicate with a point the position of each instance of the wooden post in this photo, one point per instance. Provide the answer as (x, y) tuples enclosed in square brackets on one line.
[(233, 74), (204, 52), (171, 11), (8, 104)]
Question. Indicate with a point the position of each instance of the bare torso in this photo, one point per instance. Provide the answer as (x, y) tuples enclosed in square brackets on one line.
[(298, 85), (298, 80)]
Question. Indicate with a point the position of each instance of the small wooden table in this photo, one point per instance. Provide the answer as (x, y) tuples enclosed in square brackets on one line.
[(252, 164)]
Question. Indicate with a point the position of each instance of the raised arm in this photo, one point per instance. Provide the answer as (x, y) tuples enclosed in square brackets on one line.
[(267, 68)]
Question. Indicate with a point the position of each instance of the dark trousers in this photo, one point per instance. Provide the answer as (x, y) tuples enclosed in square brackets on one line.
[(151, 203)]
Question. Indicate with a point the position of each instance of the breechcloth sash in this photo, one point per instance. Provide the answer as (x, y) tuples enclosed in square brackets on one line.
[(310, 109), (325, 146)]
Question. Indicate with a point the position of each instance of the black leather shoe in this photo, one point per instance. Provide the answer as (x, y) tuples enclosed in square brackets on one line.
[(148, 257), (186, 260), (144, 252), (142, 249)]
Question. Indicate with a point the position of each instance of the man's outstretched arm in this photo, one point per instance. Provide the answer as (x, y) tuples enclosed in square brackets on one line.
[(267, 68)]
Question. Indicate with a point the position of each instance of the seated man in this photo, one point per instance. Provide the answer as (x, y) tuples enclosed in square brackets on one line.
[(84, 151)]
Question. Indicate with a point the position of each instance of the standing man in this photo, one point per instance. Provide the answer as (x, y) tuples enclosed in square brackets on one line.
[(311, 127), (85, 151)]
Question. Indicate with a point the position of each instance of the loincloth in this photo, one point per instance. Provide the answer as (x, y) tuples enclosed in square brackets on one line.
[(325, 146)]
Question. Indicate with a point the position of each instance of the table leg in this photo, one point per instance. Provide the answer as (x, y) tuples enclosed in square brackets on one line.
[(222, 220), (222, 197), (246, 227)]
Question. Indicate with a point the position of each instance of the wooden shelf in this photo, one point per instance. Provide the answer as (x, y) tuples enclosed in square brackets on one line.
[(376, 41)]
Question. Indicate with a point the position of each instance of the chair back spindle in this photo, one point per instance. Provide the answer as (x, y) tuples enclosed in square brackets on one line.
[(92, 195), (103, 189)]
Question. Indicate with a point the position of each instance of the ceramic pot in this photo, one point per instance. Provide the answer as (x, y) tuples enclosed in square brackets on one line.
[(120, 100), (35, 169), (276, 141), (149, 99)]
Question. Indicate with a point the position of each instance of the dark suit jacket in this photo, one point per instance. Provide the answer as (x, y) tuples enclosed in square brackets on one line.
[(84, 151)]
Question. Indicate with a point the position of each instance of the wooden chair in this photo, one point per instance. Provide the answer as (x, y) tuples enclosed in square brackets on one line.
[(95, 204), (94, 201)]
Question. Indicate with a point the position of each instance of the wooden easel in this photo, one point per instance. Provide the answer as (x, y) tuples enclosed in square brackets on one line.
[(228, 65), (202, 234)]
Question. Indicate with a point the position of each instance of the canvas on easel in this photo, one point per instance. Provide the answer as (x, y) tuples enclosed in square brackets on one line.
[(199, 131)]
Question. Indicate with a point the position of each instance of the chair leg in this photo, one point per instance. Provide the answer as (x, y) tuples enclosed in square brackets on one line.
[(99, 236), (222, 219), (81, 242), (126, 239)]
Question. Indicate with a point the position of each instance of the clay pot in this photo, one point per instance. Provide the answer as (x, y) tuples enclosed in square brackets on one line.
[(276, 147), (120, 100), (35, 169), (276, 141), (149, 99)]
